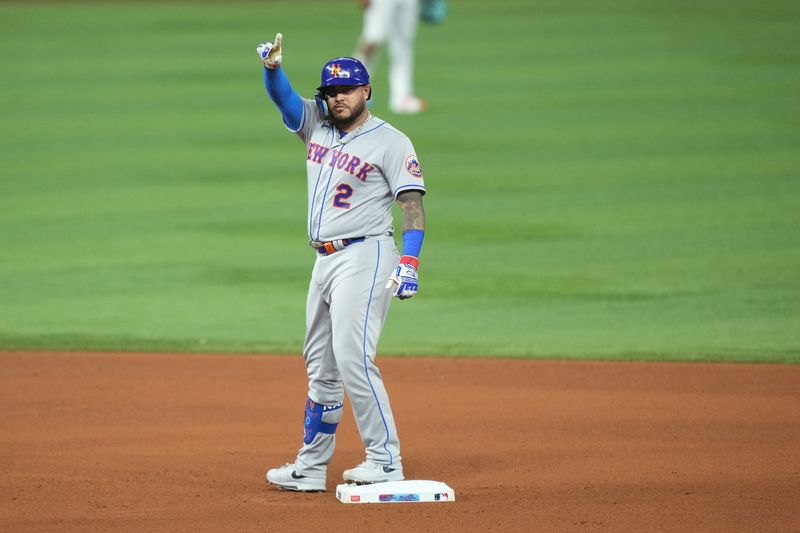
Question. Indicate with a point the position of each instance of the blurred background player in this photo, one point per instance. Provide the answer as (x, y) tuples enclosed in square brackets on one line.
[(393, 22)]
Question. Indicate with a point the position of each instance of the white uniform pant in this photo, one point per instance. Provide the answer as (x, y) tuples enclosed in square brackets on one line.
[(395, 22), (346, 307)]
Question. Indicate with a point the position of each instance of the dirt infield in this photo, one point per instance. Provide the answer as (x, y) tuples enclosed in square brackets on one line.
[(146, 442)]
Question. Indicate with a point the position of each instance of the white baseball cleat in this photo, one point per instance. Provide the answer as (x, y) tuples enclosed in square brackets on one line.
[(287, 477), (410, 105), (368, 472)]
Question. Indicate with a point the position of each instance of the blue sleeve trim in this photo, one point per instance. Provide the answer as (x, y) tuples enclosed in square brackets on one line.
[(412, 242), (288, 101), (412, 187)]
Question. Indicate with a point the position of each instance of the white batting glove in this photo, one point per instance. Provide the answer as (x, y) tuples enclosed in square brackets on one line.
[(404, 282), (270, 53)]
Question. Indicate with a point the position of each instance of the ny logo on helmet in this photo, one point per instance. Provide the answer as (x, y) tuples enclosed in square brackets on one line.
[(336, 71)]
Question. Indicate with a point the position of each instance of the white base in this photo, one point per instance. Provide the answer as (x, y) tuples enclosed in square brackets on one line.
[(410, 490)]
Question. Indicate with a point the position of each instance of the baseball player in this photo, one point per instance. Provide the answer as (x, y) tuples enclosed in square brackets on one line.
[(395, 22), (357, 166)]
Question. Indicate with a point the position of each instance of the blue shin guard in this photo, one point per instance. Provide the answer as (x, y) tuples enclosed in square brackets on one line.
[(314, 422)]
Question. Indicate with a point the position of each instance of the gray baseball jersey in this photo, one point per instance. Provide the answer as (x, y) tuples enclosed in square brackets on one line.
[(353, 181)]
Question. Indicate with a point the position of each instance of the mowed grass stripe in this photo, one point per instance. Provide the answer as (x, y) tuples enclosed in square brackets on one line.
[(612, 179)]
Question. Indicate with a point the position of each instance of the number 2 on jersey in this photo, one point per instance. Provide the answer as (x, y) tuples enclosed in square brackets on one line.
[(340, 200)]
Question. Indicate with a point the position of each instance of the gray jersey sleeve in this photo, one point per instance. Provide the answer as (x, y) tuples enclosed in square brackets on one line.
[(401, 167), (312, 119)]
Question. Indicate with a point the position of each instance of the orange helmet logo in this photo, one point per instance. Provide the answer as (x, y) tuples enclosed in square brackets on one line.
[(335, 69)]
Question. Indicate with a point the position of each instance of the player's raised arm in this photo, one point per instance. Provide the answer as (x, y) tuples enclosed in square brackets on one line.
[(404, 281), (278, 87)]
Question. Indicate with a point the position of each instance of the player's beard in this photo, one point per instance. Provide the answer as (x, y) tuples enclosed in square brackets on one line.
[(344, 123)]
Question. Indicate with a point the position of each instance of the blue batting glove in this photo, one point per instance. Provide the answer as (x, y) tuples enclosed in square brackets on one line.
[(404, 280), (271, 54)]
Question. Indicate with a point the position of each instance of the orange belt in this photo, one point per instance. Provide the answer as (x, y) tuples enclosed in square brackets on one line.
[(330, 247)]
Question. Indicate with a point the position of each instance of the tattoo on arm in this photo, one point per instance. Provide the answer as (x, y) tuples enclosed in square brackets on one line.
[(413, 212)]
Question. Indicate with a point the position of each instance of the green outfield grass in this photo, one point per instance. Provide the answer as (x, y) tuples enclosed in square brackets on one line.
[(607, 179)]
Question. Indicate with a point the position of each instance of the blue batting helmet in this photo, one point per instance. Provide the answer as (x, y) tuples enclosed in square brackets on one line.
[(344, 71)]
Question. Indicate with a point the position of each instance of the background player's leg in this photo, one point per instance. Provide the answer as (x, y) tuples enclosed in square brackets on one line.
[(359, 305), (373, 33), (401, 58)]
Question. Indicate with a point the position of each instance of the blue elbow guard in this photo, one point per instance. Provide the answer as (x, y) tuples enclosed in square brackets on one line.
[(313, 420)]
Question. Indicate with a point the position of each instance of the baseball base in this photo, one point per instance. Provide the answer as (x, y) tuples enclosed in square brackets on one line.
[(411, 490)]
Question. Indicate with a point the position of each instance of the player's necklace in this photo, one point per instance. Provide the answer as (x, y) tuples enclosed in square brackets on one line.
[(353, 134)]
